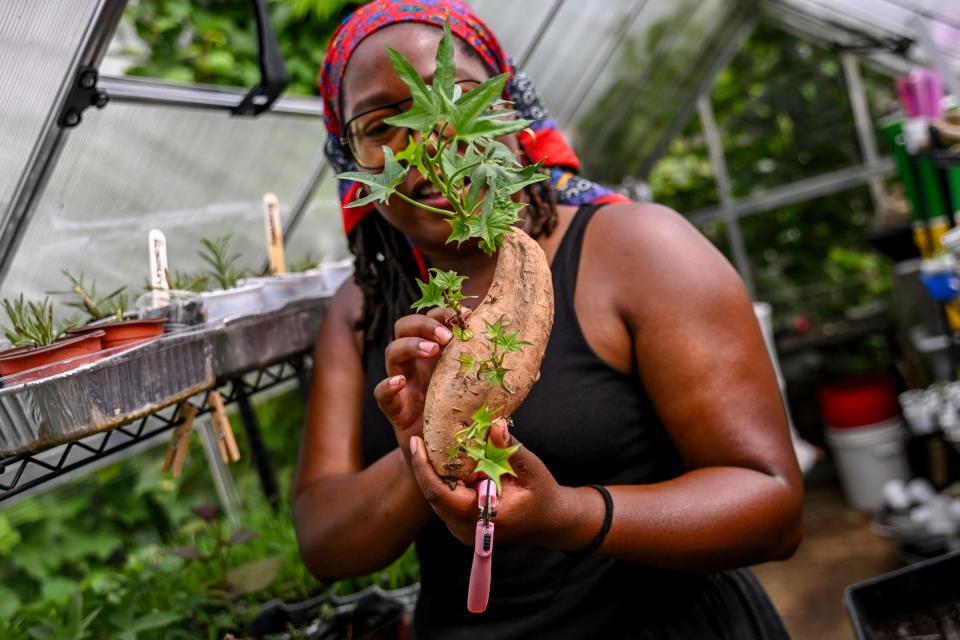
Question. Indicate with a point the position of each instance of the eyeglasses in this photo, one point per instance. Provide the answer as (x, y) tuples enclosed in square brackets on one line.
[(367, 133)]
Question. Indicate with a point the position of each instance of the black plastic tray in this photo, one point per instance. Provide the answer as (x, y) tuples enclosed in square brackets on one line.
[(922, 600)]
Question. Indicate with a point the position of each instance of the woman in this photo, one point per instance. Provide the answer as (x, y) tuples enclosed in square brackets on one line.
[(656, 391)]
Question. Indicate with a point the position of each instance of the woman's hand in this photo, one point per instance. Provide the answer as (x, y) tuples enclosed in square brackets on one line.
[(411, 358), (532, 509)]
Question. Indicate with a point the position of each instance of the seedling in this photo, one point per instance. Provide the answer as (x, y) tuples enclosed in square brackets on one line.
[(223, 265), (32, 323), (114, 304)]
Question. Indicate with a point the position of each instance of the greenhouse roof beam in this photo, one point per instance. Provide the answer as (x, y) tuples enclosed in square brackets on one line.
[(299, 207), (864, 123), (95, 42), (196, 96), (722, 178), (799, 191)]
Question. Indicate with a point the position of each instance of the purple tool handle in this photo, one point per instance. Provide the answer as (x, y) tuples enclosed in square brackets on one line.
[(478, 593)]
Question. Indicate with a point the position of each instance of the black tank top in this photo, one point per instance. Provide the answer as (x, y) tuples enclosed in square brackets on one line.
[(590, 424)]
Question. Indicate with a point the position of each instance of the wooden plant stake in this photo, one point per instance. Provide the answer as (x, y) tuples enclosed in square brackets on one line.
[(274, 228), (229, 452), (180, 440), (159, 267)]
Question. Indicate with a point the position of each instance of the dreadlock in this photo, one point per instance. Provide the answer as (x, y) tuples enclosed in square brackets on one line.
[(385, 269)]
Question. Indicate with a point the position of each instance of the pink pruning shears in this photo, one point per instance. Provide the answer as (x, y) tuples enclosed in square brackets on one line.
[(479, 592)]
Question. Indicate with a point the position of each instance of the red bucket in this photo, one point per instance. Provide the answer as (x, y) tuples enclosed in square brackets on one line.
[(858, 402)]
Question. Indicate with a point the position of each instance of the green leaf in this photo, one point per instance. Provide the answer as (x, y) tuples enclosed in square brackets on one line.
[(127, 621), (9, 603), (494, 331), (482, 420), (496, 462), (446, 69), (380, 185), (431, 295), (473, 103), (511, 342), (425, 107), (254, 576), (9, 537), (468, 364), (462, 334), (495, 376), (459, 230), (58, 589)]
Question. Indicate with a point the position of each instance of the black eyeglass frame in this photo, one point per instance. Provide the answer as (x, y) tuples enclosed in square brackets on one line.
[(347, 138)]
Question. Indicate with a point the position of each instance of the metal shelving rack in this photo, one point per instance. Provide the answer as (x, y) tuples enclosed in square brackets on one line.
[(27, 472)]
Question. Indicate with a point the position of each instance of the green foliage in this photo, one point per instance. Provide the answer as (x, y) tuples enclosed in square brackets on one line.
[(223, 269), (215, 41), (32, 323), (492, 369), (460, 128), (783, 113), (86, 298), (444, 290), (183, 281), (305, 263), (474, 441)]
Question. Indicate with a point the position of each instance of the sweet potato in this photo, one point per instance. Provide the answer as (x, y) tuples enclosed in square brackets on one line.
[(521, 296)]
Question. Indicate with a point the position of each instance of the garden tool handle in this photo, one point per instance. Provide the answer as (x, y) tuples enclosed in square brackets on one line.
[(478, 593)]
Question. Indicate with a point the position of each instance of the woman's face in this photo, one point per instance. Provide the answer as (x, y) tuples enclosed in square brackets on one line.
[(369, 82)]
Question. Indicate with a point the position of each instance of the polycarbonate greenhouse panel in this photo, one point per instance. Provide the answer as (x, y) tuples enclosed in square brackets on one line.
[(38, 42), (191, 173), (651, 81), (834, 19), (571, 46), (320, 231), (516, 23)]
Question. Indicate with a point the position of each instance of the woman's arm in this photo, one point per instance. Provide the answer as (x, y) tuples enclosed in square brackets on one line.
[(702, 360), (349, 520), (659, 298)]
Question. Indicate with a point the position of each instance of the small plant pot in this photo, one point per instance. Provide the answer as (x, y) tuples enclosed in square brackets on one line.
[(229, 303), (58, 357), (277, 291), (335, 273), (124, 333)]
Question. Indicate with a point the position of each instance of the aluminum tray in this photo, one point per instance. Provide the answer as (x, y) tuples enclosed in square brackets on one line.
[(252, 342), (105, 394)]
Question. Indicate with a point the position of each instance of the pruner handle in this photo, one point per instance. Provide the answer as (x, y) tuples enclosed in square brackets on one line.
[(478, 594)]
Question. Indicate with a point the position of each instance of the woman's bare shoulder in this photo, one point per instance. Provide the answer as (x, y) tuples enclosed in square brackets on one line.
[(653, 248)]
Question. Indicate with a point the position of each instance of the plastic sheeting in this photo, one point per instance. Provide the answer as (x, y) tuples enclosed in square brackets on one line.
[(38, 41), (191, 173)]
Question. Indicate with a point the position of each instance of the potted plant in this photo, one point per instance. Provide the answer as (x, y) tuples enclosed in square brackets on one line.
[(37, 341), (108, 314), (232, 298)]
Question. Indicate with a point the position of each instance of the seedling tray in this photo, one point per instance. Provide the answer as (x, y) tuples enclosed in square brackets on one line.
[(120, 386), (919, 601)]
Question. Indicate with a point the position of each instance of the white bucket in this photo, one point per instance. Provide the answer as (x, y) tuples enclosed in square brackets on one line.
[(867, 457)]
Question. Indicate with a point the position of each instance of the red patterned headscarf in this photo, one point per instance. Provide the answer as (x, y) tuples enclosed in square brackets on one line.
[(548, 144)]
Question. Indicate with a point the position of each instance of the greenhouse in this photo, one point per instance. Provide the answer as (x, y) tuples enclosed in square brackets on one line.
[(294, 347)]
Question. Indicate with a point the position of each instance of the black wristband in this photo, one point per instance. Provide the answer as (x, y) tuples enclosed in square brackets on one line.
[(604, 529)]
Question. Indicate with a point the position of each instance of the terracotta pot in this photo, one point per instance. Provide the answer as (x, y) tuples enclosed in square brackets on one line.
[(20, 359), (123, 333)]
